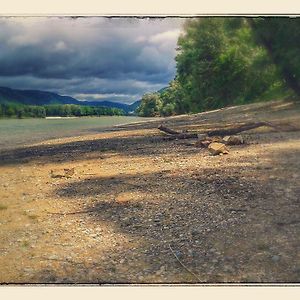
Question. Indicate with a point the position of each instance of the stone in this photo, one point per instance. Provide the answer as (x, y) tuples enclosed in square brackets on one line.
[(178, 254), (233, 140), (62, 173), (217, 148), (216, 139), (275, 258), (202, 143), (53, 257), (202, 136)]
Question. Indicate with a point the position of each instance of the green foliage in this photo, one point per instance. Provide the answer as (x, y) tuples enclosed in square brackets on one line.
[(226, 61), (219, 64), (281, 39), (172, 99), (150, 106), (66, 110)]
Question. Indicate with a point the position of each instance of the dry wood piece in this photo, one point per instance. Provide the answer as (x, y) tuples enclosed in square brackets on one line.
[(177, 135), (238, 129), (167, 130), (172, 134)]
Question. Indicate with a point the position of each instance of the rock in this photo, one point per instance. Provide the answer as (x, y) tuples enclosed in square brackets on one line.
[(202, 143), (228, 268), (233, 140), (62, 173), (216, 139), (53, 257), (195, 232), (178, 254), (202, 136), (217, 148), (275, 258)]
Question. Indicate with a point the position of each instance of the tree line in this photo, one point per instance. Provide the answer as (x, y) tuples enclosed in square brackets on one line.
[(230, 61), (65, 110)]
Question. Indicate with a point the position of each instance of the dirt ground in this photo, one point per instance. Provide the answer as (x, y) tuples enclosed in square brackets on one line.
[(143, 209)]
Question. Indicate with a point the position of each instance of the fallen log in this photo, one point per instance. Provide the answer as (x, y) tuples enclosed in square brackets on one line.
[(172, 134), (177, 135), (245, 127), (167, 130)]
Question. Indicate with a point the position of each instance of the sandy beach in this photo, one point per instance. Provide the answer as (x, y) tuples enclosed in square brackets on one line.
[(130, 206)]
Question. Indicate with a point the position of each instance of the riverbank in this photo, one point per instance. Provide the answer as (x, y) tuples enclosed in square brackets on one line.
[(128, 206)]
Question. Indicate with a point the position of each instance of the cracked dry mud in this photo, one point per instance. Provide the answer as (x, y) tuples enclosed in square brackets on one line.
[(137, 204)]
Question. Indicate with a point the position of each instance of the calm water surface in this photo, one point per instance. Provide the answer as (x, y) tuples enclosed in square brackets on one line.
[(16, 132)]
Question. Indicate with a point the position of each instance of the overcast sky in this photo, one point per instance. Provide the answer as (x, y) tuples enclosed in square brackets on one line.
[(89, 58)]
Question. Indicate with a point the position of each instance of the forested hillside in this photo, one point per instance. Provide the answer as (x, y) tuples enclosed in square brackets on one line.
[(35, 103), (230, 61)]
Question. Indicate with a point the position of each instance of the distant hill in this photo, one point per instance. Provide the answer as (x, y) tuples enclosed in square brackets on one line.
[(36, 97), (33, 97), (135, 105), (126, 107)]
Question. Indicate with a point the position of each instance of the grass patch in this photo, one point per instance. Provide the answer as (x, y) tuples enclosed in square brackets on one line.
[(263, 247), (32, 217), (3, 207), (25, 244)]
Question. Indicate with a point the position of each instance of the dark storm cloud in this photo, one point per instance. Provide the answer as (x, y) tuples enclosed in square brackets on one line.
[(88, 56)]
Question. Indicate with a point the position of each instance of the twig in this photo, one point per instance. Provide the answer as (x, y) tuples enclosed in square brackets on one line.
[(88, 174), (172, 134), (183, 264), (237, 209), (74, 212)]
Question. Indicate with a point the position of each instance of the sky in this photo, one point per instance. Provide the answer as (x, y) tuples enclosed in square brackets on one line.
[(94, 58)]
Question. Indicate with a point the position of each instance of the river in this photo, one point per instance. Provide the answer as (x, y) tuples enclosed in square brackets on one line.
[(20, 132)]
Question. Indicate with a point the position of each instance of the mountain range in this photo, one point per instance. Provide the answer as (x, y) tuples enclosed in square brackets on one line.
[(36, 97)]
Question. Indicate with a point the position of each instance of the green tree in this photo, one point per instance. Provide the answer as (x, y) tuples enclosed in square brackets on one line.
[(150, 106), (219, 63), (10, 111), (20, 113), (173, 99), (281, 39)]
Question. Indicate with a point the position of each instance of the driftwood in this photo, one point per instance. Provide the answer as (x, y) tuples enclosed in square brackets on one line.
[(235, 130), (177, 135), (172, 134)]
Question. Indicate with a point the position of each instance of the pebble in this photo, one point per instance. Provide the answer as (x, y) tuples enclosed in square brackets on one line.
[(178, 254), (275, 258), (228, 268)]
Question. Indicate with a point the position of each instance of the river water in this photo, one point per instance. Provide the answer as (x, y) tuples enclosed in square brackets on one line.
[(20, 132)]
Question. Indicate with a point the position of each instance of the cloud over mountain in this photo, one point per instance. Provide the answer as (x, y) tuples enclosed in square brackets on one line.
[(115, 59)]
